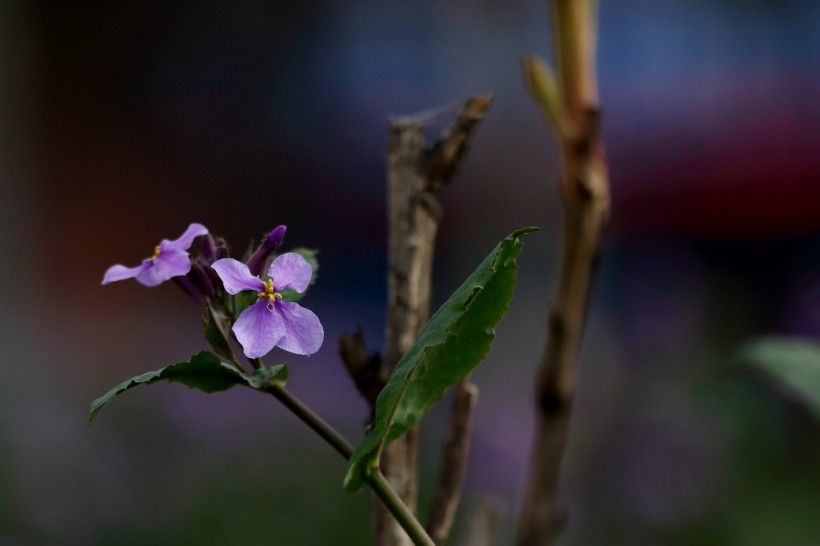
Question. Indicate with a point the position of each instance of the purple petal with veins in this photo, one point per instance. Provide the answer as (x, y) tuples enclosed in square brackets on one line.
[(120, 272), (236, 276), (303, 331), (290, 271), (258, 329), (270, 321), (170, 261), (169, 264), (185, 240)]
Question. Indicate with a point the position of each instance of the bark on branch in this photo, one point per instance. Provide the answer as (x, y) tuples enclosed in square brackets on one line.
[(364, 368), (451, 475), (585, 195), (416, 173)]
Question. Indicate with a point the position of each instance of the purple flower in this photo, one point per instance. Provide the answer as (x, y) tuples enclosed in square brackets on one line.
[(170, 260), (271, 321)]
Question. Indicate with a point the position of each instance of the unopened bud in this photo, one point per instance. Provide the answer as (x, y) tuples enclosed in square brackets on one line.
[(201, 278), (271, 242), (544, 89), (214, 248), (188, 287)]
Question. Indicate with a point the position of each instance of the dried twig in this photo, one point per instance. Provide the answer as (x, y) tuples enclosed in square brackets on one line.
[(365, 368), (483, 528), (415, 175), (451, 475), (585, 192)]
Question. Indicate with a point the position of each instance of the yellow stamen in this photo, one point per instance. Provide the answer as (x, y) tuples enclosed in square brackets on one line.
[(269, 293), (156, 253)]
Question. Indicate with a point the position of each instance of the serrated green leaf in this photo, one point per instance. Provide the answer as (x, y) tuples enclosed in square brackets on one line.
[(793, 363), (204, 371), (454, 341)]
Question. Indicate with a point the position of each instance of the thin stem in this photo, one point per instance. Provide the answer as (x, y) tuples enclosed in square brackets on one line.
[(319, 426), (376, 480), (403, 515)]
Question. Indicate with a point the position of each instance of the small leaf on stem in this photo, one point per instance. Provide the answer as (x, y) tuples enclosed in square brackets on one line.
[(217, 332)]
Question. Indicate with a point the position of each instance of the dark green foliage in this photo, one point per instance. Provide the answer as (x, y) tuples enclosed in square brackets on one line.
[(204, 372)]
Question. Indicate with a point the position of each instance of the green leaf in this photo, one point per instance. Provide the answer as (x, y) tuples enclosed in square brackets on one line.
[(793, 363), (217, 332), (277, 375), (243, 300), (204, 372), (309, 254), (455, 340)]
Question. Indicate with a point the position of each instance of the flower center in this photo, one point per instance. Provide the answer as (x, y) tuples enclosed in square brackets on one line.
[(156, 253), (270, 293)]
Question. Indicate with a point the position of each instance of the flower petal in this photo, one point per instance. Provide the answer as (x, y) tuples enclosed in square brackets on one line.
[(169, 264), (120, 272), (303, 331), (236, 277), (258, 329), (290, 270), (186, 239)]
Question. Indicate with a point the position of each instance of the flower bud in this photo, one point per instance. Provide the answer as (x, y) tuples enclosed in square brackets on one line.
[(188, 287), (201, 278), (271, 242), (214, 248)]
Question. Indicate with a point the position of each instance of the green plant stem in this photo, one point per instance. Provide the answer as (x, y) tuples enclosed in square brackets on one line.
[(316, 423), (391, 500), (376, 480)]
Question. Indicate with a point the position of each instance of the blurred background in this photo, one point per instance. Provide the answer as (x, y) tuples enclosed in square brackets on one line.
[(122, 122)]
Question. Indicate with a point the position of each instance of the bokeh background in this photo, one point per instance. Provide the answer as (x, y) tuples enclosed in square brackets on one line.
[(121, 122)]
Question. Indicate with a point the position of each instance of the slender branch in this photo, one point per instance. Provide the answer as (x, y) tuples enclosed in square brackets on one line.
[(400, 511), (316, 423), (391, 501), (451, 476), (365, 369), (585, 193), (300, 410)]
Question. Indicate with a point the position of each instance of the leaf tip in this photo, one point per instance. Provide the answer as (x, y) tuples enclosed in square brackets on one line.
[(524, 230)]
